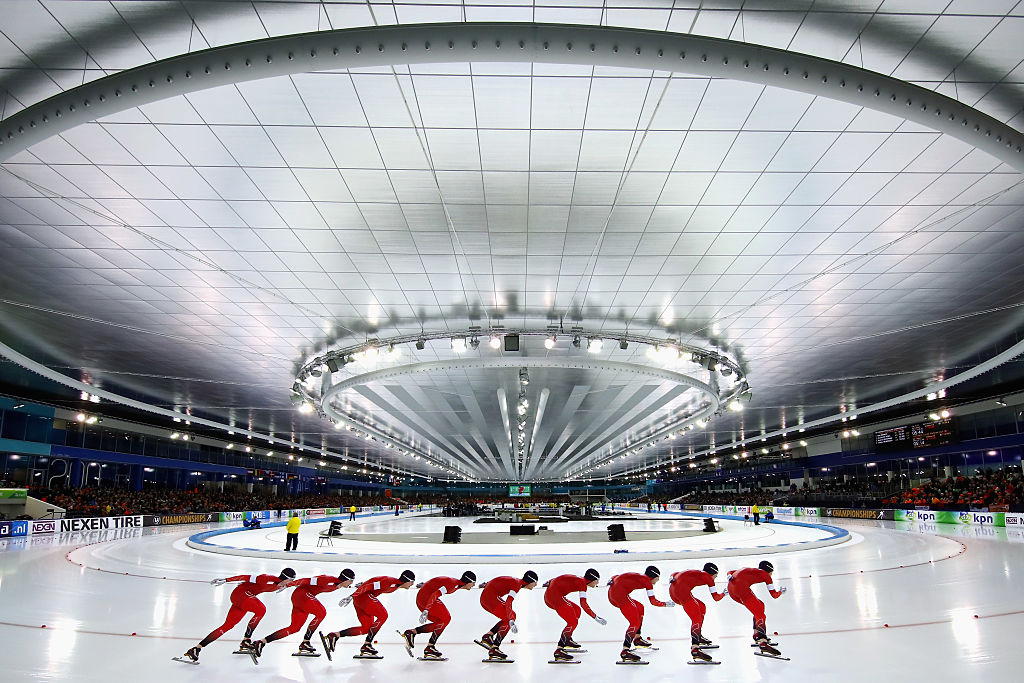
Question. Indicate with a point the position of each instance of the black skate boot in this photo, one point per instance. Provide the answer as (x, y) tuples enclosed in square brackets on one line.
[(767, 649), (409, 636), (368, 650), (627, 657), (306, 649), (495, 654), (571, 645), (431, 652), (562, 657), (245, 644), (255, 650), (191, 656), (703, 642), (639, 641), (699, 655)]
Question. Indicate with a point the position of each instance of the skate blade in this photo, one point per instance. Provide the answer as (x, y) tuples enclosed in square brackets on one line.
[(638, 648), (305, 654), (772, 643), (707, 647), (367, 656), (327, 649), (698, 663), (482, 644), (640, 663), (565, 661), (580, 651), (185, 660), (240, 652), (497, 661), (768, 656), (408, 648), (432, 659)]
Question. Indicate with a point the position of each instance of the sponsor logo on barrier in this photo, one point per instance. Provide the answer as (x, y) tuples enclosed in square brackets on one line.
[(853, 514), (15, 528), (101, 523), (43, 526), (315, 511), (713, 508), (782, 511), (691, 506), (262, 514), (964, 517), (905, 515), (926, 516), (1014, 519), (194, 518), (232, 516), (742, 509)]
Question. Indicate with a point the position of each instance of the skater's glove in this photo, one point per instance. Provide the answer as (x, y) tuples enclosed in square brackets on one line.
[(545, 584), (483, 585), (672, 580), (601, 620), (424, 618), (420, 584), (218, 582), (359, 584), (344, 601), (782, 590), (512, 626), (669, 603)]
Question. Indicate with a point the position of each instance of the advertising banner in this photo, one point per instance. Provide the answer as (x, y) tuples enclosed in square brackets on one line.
[(315, 511), (101, 523), (261, 515), (713, 508), (741, 509), (904, 515), (333, 511), (807, 512), (783, 510), (692, 507), (232, 516), (849, 513), (14, 528), (185, 518), (43, 526), (13, 494), (1014, 519)]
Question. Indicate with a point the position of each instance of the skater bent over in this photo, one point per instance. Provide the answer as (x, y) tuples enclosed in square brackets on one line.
[(680, 590), (740, 582), (369, 611), (434, 616), (556, 598), (491, 600), (619, 589), (304, 604), (243, 600)]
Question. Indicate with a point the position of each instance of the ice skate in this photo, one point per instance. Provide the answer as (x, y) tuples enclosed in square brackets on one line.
[(496, 655), (330, 641), (641, 642), (486, 641), (191, 656), (572, 646), (432, 654), (768, 651), (700, 657), (409, 640), (705, 644), (627, 657), (255, 650), (561, 656), (367, 651), (306, 650)]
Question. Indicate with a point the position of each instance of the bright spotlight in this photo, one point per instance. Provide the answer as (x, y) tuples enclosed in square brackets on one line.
[(494, 342), (549, 343), (458, 344)]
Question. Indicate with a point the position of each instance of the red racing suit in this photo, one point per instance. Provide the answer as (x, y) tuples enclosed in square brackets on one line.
[(369, 610), (496, 597), (740, 582), (305, 603), (555, 597), (618, 595), (680, 590), (429, 599), (243, 600)]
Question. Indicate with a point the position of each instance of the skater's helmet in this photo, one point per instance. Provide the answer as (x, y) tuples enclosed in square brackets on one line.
[(591, 575), (530, 577), (766, 566), (346, 574), (652, 572), (287, 573), (711, 568), (468, 577), (407, 576)]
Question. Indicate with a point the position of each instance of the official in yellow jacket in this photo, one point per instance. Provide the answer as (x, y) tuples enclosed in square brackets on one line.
[(292, 542)]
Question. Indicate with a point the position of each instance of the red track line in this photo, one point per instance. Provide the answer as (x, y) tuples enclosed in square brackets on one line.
[(682, 638)]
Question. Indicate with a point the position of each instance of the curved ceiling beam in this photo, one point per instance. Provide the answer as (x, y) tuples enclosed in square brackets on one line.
[(508, 42)]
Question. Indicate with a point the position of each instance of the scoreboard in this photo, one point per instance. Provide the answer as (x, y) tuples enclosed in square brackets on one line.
[(920, 435), (519, 491)]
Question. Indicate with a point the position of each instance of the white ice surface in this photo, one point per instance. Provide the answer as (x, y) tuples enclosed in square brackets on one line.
[(831, 622)]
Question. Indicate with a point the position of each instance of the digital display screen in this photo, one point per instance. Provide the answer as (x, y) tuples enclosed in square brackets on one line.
[(519, 491), (921, 435)]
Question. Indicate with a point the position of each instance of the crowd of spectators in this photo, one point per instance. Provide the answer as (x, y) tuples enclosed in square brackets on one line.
[(109, 502), (723, 498), (982, 490)]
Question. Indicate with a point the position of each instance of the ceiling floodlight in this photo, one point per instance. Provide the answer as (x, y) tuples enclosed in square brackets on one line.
[(370, 352), (735, 405), (933, 416), (494, 342), (316, 372), (594, 345), (764, 451), (623, 344), (306, 407), (944, 414), (803, 443), (549, 343), (576, 341), (421, 343), (458, 344)]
